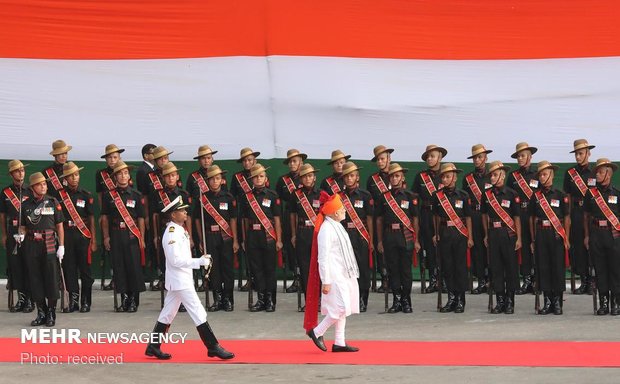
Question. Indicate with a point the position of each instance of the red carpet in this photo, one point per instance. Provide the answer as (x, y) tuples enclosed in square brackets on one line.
[(443, 353)]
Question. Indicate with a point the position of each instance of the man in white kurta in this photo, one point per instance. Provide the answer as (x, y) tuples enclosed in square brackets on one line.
[(180, 285), (338, 270)]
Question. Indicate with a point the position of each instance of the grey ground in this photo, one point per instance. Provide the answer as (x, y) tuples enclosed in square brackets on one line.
[(578, 323)]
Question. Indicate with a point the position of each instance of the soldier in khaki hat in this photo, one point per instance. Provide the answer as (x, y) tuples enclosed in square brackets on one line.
[(80, 238), (602, 235), (453, 236), (305, 204), (103, 177), (197, 180), (475, 183), (10, 207), (219, 212), (502, 236), (60, 151), (523, 180), (334, 183), (122, 225), (397, 226), (550, 229), (285, 187), (577, 180), (376, 184), (41, 224), (261, 210), (425, 184)]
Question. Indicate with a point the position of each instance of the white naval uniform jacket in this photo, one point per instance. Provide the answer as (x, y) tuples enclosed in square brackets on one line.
[(179, 261)]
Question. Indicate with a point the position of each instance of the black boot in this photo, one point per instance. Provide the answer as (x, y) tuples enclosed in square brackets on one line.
[(615, 308), (29, 307), (21, 302), (444, 286), (509, 309), (558, 303), (583, 288), (74, 302), (548, 307), (86, 299), (153, 349), (217, 302), (460, 302), (213, 347), (259, 305), (50, 319), (41, 314), (363, 303), (405, 301), (603, 300), (133, 302), (500, 304), (432, 283), (245, 287), (526, 287), (270, 305), (481, 288), (125, 301), (294, 286), (396, 305), (590, 286), (318, 341), (227, 303), (450, 304)]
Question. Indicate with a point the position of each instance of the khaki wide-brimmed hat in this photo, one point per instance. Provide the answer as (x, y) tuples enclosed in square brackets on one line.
[(120, 166), (478, 149), (175, 205), (160, 152), (168, 168), (111, 148), (433, 147), (379, 149), (36, 178), (349, 167), (245, 152), (14, 165), (581, 144), (292, 153), (449, 167), (204, 150), (257, 169), (60, 147), (522, 147), (337, 155), (69, 168), (542, 165), (395, 167), (495, 165), (215, 170), (306, 169), (605, 162)]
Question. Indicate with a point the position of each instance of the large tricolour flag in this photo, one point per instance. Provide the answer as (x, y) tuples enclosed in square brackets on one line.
[(310, 74)]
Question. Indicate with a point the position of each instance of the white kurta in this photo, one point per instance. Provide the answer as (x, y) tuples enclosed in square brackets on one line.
[(337, 267)]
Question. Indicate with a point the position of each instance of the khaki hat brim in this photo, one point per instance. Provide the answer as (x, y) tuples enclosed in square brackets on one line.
[(451, 170), (128, 167), (388, 150), (165, 154), (487, 152), (263, 170), (443, 151), (351, 171), (121, 150), (61, 150), (613, 166), (210, 153), (302, 155), (346, 157), (15, 169), (69, 174), (554, 167), (256, 154), (586, 147), (221, 172), (532, 149)]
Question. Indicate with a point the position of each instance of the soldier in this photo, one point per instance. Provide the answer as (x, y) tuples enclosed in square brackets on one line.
[(453, 236), (502, 236), (358, 222), (263, 237), (41, 227), (334, 183), (10, 207), (240, 184), (523, 181), (425, 184), (377, 184), (60, 151), (549, 228), (142, 185), (179, 284), (285, 187), (196, 181), (80, 239), (147, 166), (122, 224), (219, 212), (397, 226), (602, 235), (475, 183), (305, 204), (577, 180)]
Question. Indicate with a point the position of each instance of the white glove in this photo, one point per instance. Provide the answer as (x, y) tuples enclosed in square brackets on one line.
[(60, 253), (19, 237), (206, 260)]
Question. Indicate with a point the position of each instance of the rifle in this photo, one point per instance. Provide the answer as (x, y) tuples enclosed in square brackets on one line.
[(284, 270), (64, 298), (114, 292), (299, 289), (536, 284), (104, 254), (9, 274), (470, 276), (422, 257), (439, 278), (9, 284), (593, 284), (572, 271), (373, 280)]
